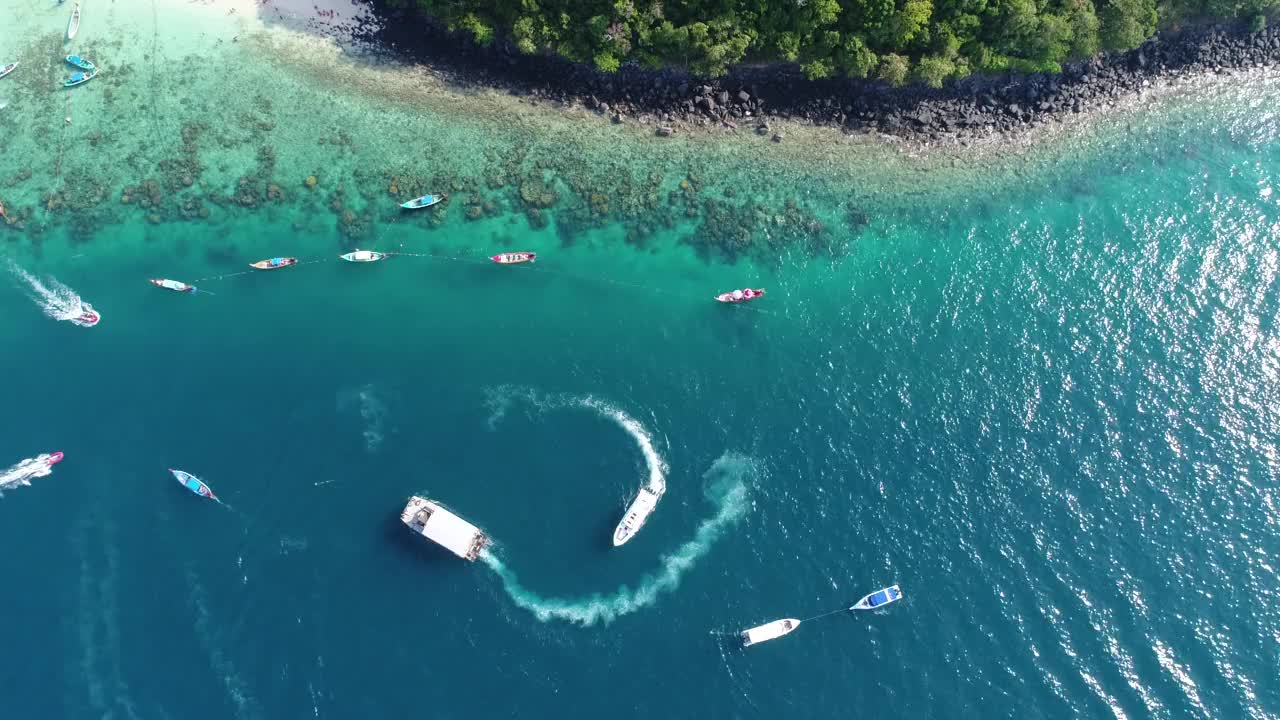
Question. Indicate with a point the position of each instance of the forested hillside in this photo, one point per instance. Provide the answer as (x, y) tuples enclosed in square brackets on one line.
[(893, 40)]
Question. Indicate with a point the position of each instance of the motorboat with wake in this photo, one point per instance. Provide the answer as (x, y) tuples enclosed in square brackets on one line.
[(36, 467), (274, 263), (425, 201), (363, 256), (768, 631), (8, 69), (739, 296), (173, 285), (194, 484), (878, 599), (88, 317), (646, 500), (513, 258)]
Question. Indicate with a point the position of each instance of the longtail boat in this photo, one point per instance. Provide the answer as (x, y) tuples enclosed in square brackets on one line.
[(8, 69), (78, 79), (425, 201), (738, 296), (73, 26), (194, 484), (362, 256), (173, 285), (80, 62), (513, 258), (274, 263)]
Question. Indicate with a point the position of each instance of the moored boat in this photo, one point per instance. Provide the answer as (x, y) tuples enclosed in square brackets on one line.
[(639, 510), (173, 285), (513, 258), (73, 26), (738, 296), (425, 201), (363, 256), (436, 523), (194, 484), (78, 79), (80, 62), (274, 263), (879, 598), (768, 631), (8, 69)]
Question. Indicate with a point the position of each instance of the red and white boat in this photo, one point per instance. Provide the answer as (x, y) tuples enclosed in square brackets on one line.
[(738, 296), (513, 258), (88, 316), (173, 285)]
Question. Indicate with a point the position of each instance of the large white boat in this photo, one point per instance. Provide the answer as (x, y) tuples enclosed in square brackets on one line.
[(433, 521), (646, 500), (768, 631)]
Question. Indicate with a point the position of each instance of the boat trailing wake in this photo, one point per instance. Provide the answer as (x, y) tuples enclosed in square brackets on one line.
[(55, 299), (24, 472), (725, 485), (501, 398)]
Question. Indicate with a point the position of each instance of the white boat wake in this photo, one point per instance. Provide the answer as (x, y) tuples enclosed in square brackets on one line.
[(725, 486), (24, 472), (55, 299), (501, 398)]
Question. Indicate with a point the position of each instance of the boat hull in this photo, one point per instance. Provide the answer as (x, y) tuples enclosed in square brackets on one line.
[(193, 483), (514, 258), (173, 285), (8, 69), (363, 256), (425, 201), (637, 514), (748, 294), (79, 79), (266, 264), (768, 631), (80, 62), (879, 599), (73, 26)]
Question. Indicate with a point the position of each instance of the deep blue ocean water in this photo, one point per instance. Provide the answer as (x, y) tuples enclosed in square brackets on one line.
[(1049, 414)]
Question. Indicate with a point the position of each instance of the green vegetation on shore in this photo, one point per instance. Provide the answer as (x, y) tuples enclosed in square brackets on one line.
[(893, 40)]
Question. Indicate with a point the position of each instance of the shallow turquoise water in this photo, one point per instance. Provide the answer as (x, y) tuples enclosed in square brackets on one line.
[(1047, 411)]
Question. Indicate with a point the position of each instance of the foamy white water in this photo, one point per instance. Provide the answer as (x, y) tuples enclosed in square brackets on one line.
[(24, 472), (725, 486), (53, 298)]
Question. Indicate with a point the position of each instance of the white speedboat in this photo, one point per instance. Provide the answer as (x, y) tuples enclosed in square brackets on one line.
[(768, 631), (363, 256), (646, 500), (879, 598)]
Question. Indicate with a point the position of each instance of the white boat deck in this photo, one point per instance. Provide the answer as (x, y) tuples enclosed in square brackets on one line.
[(434, 522)]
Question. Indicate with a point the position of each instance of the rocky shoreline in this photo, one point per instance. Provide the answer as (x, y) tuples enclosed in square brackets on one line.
[(762, 98)]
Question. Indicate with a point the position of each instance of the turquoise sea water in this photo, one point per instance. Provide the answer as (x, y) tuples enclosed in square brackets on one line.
[(1044, 406)]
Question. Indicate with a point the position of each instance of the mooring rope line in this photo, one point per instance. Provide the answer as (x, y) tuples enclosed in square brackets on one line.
[(484, 261)]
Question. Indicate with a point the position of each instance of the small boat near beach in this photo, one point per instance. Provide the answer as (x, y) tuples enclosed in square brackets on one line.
[(8, 69), (513, 258), (80, 62), (738, 296), (73, 26), (78, 79), (274, 263), (425, 201), (362, 256), (878, 599), (173, 285), (194, 484), (768, 631)]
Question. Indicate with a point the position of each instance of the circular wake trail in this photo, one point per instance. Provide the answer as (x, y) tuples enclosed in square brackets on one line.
[(500, 400), (725, 486), (54, 299)]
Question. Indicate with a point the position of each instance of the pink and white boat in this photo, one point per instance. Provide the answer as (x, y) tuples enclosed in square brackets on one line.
[(738, 296)]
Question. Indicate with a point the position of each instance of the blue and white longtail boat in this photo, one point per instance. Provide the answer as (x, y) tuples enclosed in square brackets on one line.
[(194, 484), (879, 598)]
